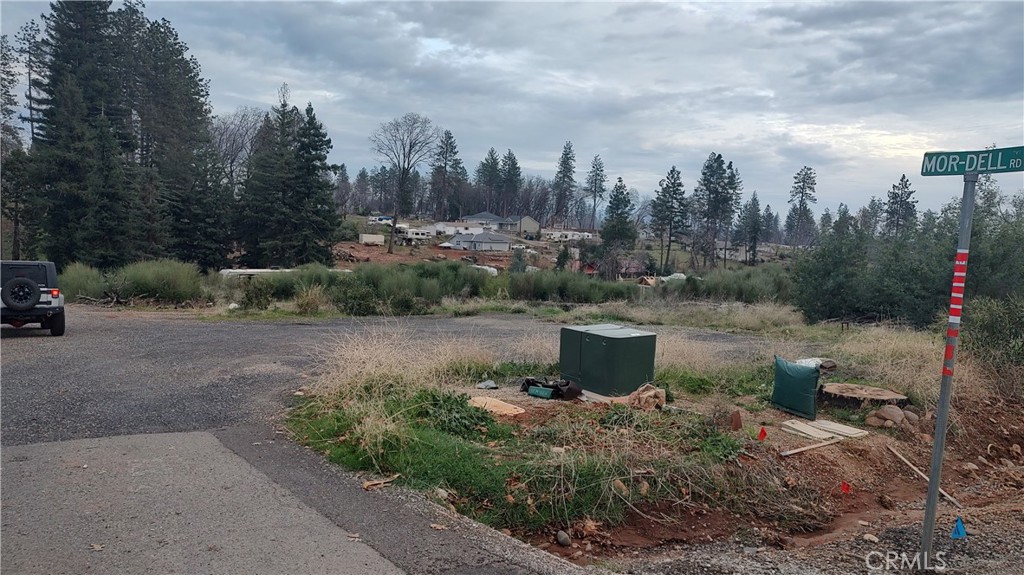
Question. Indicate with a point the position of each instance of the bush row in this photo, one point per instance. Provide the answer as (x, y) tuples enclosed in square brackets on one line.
[(165, 280), (765, 283)]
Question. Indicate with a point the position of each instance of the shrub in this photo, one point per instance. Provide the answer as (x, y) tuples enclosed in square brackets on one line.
[(350, 295), (80, 280), (310, 298), (257, 294), (162, 280), (348, 231), (994, 334)]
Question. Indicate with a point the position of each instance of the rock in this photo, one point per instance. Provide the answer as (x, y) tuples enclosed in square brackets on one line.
[(889, 423), (871, 538), (507, 532), (556, 449), (489, 384), (441, 494), (892, 413), (863, 523), (911, 417), (577, 555), (749, 550), (874, 421), (970, 466), (970, 531), (233, 306), (872, 413), (589, 548), (543, 546), (563, 538), (1015, 448)]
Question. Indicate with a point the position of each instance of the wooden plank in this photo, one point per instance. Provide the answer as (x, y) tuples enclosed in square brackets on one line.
[(838, 428), (801, 428), (923, 476), (809, 447), (496, 405)]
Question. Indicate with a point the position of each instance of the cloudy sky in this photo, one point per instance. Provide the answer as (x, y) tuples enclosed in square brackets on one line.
[(856, 90)]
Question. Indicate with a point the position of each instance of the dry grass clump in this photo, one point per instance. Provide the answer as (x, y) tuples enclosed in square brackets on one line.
[(909, 362), (310, 299), (532, 348), (674, 350)]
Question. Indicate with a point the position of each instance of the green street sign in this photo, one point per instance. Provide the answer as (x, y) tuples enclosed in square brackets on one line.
[(981, 162)]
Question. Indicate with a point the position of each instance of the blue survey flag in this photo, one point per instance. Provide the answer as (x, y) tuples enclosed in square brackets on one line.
[(959, 531)]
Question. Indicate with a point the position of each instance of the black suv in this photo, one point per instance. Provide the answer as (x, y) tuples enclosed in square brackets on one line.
[(30, 295)]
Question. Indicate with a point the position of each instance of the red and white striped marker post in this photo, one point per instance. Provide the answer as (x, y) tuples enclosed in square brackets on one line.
[(956, 302)]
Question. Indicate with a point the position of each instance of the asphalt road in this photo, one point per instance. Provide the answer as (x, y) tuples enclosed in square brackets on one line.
[(146, 443)]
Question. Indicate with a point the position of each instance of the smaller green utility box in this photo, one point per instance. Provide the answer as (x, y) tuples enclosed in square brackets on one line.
[(607, 359)]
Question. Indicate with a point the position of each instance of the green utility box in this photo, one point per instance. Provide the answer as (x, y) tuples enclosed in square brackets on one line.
[(607, 359)]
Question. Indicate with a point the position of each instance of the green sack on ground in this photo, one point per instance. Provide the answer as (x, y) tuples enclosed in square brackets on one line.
[(796, 388)]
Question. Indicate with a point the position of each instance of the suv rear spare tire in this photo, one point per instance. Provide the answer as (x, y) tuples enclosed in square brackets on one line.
[(20, 294)]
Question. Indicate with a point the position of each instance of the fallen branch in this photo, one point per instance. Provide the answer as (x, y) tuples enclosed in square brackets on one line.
[(923, 476), (809, 447)]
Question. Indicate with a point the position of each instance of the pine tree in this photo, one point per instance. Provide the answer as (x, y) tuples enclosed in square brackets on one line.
[(106, 234), (800, 227), (361, 193), (342, 191), (447, 178), (716, 199), (669, 213), (595, 187), (201, 228), (314, 219), (564, 184), (617, 231), (900, 209), (488, 179), (511, 183), (751, 225)]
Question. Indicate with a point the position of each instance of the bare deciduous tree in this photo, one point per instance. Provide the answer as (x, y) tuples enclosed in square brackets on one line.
[(405, 143), (234, 136)]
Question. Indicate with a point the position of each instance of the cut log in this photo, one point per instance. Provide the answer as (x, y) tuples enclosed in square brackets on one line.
[(855, 392)]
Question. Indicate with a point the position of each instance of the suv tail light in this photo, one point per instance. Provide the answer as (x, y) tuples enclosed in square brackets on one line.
[(55, 293)]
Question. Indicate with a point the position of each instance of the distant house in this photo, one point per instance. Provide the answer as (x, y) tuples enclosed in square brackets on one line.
[(485, 219), (454, 228), (485, 242), (519, 225)]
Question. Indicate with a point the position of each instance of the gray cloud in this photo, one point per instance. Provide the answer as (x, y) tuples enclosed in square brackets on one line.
[(857, 90)]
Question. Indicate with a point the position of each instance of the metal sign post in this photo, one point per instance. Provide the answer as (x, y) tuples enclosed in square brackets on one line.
[(969, 164), (956, 302)]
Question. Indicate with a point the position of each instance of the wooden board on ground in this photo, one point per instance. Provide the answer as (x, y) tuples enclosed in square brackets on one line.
[(838, 428), (496, 405), (800, 428), (862, 392)]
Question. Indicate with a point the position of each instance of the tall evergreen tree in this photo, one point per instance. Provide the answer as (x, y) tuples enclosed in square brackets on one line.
[(511, 183), (342, 191), (617, 231), (447, 178), (716, 199), (361, 192), (201, 225), (106, 233), (488, 179), (669, 213), (800, 226), (900, 209), (564, 184), (751, 225), (314, 219), (595, 187)]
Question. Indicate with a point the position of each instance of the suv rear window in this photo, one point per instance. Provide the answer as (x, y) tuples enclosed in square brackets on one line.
[(34, 272)]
